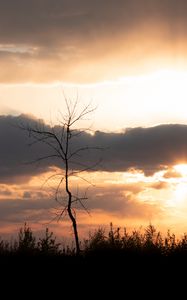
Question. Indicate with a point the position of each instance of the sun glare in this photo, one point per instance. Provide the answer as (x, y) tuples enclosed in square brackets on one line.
[(179, 197), (182, 169), (181, 191)]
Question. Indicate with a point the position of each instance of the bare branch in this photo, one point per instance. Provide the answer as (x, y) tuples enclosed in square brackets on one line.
[(86, 110), (86, 167), (58, 139), (58, 215), (61, 213), (73, 111), (87, 148), (58, 187), (84, 207), (82, 178), (67, 104), (80, 199), (50, 177), (42, 158), (44, 134), (62, 134)]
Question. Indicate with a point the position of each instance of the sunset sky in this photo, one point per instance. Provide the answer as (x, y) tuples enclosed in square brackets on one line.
[(129, 59)]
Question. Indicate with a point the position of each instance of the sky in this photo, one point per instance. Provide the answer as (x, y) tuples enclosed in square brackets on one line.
[(128, 59)]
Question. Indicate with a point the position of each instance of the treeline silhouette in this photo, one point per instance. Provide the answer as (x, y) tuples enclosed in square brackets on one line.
[(146, 242), (141, 257)]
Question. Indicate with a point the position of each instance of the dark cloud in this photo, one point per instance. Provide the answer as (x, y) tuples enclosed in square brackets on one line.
[(121, 202), (56, 40), (117, 200), (39, 21), (22, 210), (27, 195), (15, 152), (147, 149)]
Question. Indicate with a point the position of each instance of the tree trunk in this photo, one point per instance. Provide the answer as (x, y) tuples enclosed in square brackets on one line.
[(74, 223), (69, 209)]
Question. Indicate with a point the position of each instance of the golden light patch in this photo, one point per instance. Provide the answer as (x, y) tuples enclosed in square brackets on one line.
[(181, 192), (182, 169), (177, 176)]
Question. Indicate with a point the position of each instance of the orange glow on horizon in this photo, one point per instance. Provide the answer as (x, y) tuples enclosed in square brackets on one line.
[(155, 199)]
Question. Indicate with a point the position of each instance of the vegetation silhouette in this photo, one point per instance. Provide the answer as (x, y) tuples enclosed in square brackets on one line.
[(142, 243), (143, 258)]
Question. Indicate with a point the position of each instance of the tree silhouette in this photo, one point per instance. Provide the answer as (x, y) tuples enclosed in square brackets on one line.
[(59, 140)]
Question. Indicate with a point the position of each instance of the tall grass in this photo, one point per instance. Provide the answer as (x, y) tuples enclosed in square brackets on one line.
[(143, 242)]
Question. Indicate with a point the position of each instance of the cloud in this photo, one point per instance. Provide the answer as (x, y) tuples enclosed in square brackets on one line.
[(147, 149), (15, 152), (172, 173), (117, 201), (122, 202), (20, 211), (48, 41), (42, 22), (5, 191), (159, 185), (27, 195)]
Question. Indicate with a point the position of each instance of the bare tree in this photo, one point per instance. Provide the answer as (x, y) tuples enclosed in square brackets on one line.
[(59, 140)]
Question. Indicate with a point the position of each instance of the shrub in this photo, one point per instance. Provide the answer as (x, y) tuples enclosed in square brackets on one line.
[(47, 244), (26, 240)]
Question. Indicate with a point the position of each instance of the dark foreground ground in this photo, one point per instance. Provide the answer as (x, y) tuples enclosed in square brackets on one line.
[(135, 266), (109, 266), (97, 276)]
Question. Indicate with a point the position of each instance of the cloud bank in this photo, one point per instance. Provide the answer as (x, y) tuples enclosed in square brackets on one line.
[(63, 39), (146, 149), (107, 203)]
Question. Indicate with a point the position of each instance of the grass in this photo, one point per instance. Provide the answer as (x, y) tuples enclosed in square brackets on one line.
[(140, 243)]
